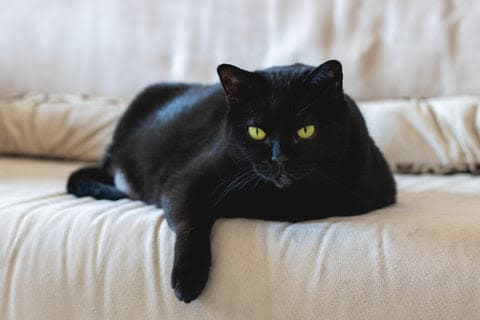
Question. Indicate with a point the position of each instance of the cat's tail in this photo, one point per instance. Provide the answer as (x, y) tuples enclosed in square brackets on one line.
[(93, 182)]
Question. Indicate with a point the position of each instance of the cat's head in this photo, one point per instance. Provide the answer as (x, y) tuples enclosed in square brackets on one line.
[(287, 122)]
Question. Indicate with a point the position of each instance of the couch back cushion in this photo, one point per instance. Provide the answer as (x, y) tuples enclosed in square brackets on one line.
[(390, 49), (416, 135)]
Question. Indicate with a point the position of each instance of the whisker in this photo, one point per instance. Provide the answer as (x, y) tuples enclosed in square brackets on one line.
[(242, 179)]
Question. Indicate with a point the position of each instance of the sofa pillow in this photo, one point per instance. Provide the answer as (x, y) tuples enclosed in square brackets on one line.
[(66, 126), (440, 135)]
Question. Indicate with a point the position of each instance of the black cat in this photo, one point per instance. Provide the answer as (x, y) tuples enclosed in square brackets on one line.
[(283, 143)]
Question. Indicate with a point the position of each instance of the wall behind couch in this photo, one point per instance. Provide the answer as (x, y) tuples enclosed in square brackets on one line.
[(389, 48)]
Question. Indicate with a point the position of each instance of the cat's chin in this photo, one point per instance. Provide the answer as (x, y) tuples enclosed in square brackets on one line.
[(281, 182)]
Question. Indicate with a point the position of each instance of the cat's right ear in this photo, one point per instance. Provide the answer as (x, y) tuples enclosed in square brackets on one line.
[(235, 81)]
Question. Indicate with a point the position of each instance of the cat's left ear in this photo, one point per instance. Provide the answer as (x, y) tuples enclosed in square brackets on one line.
[(235, 81), (328, 72)]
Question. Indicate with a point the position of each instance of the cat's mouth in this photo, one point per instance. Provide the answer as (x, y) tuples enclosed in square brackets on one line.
[(280, 177)]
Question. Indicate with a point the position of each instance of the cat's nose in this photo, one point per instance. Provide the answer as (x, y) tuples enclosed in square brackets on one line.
[(277, 154)]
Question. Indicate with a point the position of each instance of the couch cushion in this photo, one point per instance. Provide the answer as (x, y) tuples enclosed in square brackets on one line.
[(58, 125), (390, 49), (68, 258), (438, 135), (416, 135)]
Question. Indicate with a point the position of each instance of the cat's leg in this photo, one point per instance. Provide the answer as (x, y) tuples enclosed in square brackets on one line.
[(188, 213), (94, 182), (192, 260)]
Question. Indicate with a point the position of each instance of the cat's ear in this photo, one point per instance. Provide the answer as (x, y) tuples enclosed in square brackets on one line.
[(235, 81), (328, 72)]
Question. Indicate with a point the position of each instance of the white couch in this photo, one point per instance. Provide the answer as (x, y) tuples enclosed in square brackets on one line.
[(68, 258)]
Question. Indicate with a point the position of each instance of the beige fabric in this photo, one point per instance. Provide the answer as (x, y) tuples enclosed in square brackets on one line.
[(439, 135), (427, 135), (58, 126), (67, 258), (390, 49)]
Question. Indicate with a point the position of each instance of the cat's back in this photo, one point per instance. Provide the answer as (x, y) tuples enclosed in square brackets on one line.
[(151, 100), (164, 127), (164, 106)]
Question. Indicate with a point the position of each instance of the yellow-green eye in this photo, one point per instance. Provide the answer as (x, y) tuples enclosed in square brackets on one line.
[(306, 132), (256, 133)]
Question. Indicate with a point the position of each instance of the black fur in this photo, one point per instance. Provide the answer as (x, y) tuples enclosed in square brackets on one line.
[(185, 148), (93, 182)]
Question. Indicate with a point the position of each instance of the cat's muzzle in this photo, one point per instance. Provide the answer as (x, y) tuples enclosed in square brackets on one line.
[(281, 178)]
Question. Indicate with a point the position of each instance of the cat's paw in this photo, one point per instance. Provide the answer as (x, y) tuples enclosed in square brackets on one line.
[(189, 277)]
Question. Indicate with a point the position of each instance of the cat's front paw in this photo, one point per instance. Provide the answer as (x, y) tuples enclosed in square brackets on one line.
[(189, 277)]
